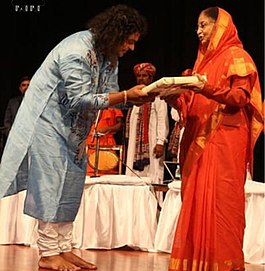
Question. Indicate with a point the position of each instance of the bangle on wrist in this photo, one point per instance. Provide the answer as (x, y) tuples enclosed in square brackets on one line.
[(125, 97)]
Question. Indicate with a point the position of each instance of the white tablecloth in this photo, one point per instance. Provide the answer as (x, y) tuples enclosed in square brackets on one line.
[(16, 227), (168, 218), (110, 216), (116, 213), (254, 238)]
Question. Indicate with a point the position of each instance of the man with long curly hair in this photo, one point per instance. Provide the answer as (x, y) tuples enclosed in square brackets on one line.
[(45, 152)]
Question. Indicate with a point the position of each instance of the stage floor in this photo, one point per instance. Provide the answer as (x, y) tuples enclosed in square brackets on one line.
[(25, 258)]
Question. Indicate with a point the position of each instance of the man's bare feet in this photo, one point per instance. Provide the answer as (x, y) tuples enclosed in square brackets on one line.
[(74, 259), (57, 262)]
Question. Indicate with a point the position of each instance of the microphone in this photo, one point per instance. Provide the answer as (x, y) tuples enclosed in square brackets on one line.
[(96, 125)]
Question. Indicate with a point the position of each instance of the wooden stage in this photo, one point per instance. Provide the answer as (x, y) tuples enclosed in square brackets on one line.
[(24, 258)]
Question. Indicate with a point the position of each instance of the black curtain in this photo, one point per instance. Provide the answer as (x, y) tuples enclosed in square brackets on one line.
[(171, 43)]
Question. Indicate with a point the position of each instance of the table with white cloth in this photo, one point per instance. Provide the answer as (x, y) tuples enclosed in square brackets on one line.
[(254, 238), (115, 211), (15, 226), (118, 210)]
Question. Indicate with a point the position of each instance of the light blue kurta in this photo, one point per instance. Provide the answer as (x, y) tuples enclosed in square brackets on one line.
[(45, 150)]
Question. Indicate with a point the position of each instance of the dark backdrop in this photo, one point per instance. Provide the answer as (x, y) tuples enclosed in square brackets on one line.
[(171, 43)]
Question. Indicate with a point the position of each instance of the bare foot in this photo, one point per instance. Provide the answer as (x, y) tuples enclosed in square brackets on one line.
[(74, 259), (57, 262)]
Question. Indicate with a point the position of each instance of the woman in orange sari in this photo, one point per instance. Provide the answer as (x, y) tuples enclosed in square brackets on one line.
[(223, 119)]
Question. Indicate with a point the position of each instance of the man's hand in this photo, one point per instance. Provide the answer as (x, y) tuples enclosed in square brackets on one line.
[(138, 97), (158, 150)]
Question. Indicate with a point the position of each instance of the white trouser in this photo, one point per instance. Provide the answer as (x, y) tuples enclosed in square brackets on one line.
[(54, 238)]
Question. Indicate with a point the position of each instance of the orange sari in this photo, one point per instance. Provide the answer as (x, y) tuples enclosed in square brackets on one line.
[(222, 126)]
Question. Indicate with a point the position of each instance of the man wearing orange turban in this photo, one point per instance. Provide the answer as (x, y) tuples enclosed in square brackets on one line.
[(147, 128), (149, 68)]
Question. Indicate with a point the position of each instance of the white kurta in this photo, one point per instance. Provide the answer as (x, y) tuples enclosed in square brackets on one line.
[(158, 132)]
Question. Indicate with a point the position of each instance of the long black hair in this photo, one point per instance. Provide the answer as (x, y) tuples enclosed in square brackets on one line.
[(114, 26)]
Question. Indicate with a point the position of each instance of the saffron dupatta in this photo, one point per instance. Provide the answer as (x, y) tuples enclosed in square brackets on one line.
[(224, 38)]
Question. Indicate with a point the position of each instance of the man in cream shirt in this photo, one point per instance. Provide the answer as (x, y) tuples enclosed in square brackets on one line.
[(147, 128)]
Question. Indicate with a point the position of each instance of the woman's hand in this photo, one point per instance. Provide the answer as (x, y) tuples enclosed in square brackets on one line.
[(198, 86), (171, 90)]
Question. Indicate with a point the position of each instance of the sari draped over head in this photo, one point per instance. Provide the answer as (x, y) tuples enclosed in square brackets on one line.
[(222, 125)]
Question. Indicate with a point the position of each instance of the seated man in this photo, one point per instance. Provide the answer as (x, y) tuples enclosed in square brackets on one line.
[(110, 121)]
